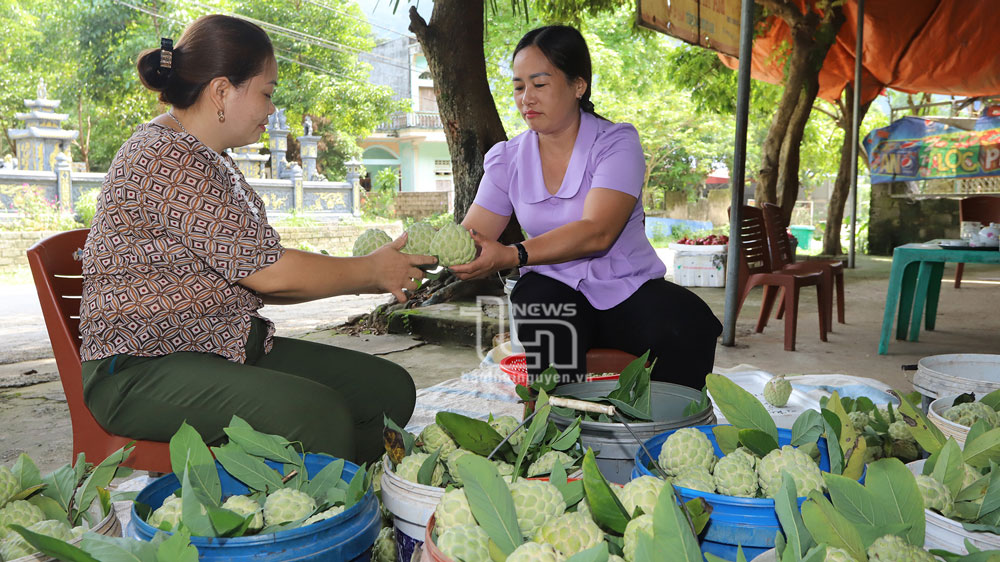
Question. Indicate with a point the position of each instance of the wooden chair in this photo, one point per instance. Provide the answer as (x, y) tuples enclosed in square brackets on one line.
[(57, 271), (982, 208), (783, 258), (755, 270)]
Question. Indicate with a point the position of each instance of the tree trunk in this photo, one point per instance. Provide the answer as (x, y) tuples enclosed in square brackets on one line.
[(812, 35), (791, 148), (842, 185), (453, 45)]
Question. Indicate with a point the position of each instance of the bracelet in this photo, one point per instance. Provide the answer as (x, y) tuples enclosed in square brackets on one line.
[(522, 254)]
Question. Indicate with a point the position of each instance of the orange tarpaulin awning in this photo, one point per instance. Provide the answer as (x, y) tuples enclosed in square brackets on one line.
[(934, 46)]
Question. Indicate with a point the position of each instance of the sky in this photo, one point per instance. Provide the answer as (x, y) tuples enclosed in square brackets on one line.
[(380, 13)]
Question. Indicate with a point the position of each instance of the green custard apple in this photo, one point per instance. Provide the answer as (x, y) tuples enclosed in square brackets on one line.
[(453, 510), (418, 238), (369, 241), (570, 533), (468, 543), (891, 548), (535, 552), (685, 448), (535, 502), (453, 245), (777, 390), (287, 504), (246, 506)]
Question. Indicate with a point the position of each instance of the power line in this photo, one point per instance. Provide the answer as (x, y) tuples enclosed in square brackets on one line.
[(305, 37), (352, 16)]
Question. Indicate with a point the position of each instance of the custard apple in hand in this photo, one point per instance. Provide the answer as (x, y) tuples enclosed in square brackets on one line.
[(369, 241), (453, 245), (418, 239)]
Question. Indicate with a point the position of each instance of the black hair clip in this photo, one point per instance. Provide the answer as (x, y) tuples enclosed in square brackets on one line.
[(166, 52)]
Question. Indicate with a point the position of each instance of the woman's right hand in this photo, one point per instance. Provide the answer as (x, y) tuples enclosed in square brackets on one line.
[(395, 272)]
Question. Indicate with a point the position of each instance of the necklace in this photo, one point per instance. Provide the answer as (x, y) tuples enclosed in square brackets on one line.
[(178, 121), (234, 179)]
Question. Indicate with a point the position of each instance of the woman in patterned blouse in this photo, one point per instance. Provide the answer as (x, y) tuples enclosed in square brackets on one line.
[(180, 258)]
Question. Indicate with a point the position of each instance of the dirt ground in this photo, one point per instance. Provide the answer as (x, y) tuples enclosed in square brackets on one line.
[(34, 417)]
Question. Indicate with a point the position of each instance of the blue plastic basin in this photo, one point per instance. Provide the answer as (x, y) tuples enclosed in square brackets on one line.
[(748, 522), (347, 536)]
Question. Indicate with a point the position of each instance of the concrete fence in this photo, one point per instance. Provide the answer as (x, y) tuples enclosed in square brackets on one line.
[(421, 204), (675, 204), (335, 238)]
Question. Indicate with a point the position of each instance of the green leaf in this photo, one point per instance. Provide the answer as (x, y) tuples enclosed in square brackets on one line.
[(740, 407), (490, 501), (605, 507), (832, 423), (248, 469), (927, 434), (757, 441), (698, 406), (630, 379), (60, 484), (671, 529), (948, 468), (808, 428), (187, 449), (194, 503), (597, 553), (567, 437), (787, 507), (646, 549), (984, 449), (630, 411), (828, 526), (101, 477), (426, 473), (496, 555), (117, 549), (105, 498), (537, 427), (55, 548), (992, 400), (26, 493), (325, 479), (547, 380), (472, 434), (26, 473), (49, 507), (898, 499), (728, 438), (852, 445), (336, 495), (699, 512), (572, 492), (271, 447), (356, 489), (858, 505), (225, 522), (177, 548), (978, 428)]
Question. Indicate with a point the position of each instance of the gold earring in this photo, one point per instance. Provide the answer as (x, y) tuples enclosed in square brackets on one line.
[(222, 117)]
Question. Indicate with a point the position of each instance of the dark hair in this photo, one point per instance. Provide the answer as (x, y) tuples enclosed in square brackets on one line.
[(567, 50), (210, 47)]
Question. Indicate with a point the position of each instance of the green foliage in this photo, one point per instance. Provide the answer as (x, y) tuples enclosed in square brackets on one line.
[(34, 211), (386, 180), (86, 206), (378, 204), (86, 53)]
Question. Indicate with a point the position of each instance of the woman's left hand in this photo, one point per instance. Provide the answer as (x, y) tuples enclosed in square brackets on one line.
[(492, 256)]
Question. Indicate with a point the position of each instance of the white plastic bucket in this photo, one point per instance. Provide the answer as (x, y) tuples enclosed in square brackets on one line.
[(411, 505), (948, 534), (941, 375), (935, 413), (515, 344)]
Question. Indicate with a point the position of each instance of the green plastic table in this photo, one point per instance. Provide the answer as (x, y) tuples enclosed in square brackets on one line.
[(915, 281)]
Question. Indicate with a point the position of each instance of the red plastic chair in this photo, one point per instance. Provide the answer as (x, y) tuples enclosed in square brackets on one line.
[(982, 208), (783, 258), (57, 271), (755, 270)]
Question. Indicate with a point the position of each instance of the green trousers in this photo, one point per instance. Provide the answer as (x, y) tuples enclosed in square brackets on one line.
[(330, 399)]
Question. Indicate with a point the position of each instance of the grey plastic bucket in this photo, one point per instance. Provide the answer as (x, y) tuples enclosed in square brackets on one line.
[(613, 444)]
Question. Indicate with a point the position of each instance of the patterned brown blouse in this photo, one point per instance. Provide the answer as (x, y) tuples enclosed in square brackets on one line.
[(170, 240)]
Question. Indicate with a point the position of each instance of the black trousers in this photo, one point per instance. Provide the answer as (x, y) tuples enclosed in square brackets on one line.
[(557, 325)]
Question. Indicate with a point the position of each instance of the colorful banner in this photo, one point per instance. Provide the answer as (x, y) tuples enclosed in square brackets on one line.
[(914, 148)]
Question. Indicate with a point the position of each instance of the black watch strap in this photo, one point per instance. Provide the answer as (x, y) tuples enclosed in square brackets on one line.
[(522, 254)]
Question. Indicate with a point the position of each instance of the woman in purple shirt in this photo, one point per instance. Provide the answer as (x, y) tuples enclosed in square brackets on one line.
[(589, 276)]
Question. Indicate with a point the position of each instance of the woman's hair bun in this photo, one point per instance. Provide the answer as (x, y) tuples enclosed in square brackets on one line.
[(151, 74)]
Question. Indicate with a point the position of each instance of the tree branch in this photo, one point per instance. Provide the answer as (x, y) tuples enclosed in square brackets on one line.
[(785, 10), (418, 25)]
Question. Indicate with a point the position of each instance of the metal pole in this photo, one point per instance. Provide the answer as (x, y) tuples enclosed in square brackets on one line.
[(738, 174), (856, 128)]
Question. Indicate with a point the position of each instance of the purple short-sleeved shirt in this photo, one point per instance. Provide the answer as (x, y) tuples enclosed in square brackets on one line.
[(606, 155)]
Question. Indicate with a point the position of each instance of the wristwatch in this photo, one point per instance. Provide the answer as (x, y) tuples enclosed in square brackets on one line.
[(522, 254)]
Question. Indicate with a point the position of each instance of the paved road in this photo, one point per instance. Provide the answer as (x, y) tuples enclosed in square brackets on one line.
[(23, 336)]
